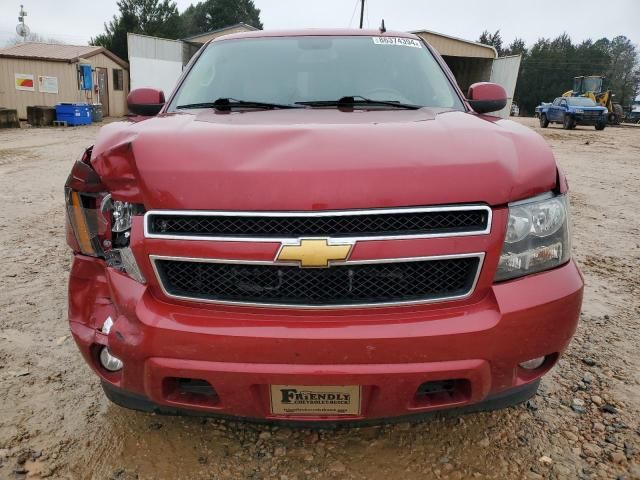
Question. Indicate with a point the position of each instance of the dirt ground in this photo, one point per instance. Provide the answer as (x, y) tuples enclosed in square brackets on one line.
[(56, 423)]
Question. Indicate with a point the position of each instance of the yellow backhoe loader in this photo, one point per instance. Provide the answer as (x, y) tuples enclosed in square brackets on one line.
[(591, 86)]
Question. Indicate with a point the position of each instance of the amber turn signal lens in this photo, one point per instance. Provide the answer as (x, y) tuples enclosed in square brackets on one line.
[(79, 223)]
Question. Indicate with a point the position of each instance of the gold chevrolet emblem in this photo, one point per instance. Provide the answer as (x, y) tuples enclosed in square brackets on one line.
[(313, 253)]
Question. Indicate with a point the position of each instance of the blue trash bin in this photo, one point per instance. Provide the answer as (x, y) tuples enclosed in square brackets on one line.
[(74, 113)]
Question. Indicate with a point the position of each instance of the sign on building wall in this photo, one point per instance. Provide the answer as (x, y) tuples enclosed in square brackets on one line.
[(25, 81), (47, 84)]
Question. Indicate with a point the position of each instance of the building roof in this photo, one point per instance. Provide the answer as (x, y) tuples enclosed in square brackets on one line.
[(220, 30), (456, 47), (54, 52)]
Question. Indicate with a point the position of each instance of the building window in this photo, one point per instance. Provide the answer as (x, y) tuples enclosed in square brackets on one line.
[(118, 79)]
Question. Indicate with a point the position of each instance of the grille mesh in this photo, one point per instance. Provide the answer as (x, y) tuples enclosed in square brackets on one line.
[(338, 285), (374, 224)]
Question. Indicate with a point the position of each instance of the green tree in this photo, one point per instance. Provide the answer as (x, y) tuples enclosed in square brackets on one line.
[(214, 14), (517, 47), (623, 71), (494, 40), (548, 68), (159, 18), (540, 78)]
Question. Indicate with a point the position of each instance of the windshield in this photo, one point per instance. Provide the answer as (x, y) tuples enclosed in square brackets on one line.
[(286, 70), (592, 85), (581, 102)]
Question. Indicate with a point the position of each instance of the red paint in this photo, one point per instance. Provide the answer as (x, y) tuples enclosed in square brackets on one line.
[(388, 350), (485, 97), (486, 91), (144, 96), (145, 101), (322, 159)]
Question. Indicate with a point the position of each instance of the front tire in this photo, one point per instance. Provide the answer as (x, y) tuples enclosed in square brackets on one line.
[(601, 125), (568, 123), (619, 113), (544, 121)]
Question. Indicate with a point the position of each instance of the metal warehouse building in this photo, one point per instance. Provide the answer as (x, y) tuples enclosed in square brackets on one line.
[(47, 74), (473, 62), (157, 62)]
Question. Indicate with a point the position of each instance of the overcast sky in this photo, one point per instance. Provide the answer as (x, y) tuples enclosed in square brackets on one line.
[(76, 21)]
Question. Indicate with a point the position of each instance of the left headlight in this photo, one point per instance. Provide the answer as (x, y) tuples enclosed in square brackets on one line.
[(537, 237), (99, 226)]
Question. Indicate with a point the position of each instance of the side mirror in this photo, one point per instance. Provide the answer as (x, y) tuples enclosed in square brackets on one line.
[(485, 97), (145, 101)]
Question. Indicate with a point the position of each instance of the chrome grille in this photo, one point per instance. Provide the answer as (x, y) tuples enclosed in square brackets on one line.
[(349, 284), (377, 223)]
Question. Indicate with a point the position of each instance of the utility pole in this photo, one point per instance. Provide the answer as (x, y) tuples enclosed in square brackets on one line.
[(22, 29), (361, 13)]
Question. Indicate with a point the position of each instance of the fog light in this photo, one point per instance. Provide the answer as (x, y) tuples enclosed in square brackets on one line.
[(108, 361), (533, 363)]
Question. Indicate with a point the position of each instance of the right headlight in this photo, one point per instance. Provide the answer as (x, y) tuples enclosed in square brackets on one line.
[(537, 237)]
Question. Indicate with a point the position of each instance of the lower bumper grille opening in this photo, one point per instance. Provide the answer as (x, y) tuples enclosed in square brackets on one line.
[(443, 392), (339, 285), (190, 391)]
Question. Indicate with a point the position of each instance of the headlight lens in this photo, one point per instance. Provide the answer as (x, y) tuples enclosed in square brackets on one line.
[(537, 237), (121, 216)]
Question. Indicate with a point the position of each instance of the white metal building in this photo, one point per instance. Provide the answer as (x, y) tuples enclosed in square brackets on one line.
[(158, 62), (473, 62)]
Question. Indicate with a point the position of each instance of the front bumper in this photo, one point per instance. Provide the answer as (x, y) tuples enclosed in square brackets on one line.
[(590, 120), (240, 351)]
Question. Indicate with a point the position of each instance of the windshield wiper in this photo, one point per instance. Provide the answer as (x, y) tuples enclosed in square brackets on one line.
[(357, 100), (229, 103)]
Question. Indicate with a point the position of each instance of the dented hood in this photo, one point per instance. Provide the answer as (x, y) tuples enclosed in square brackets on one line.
[(318, 159)]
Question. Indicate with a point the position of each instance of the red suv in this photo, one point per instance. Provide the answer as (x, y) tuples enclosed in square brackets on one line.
[(318, 226)]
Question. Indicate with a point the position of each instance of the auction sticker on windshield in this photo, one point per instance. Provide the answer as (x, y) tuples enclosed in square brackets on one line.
[(315, 400), (403, 42)]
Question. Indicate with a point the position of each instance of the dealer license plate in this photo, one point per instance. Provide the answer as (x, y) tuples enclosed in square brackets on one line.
[(315, 400)]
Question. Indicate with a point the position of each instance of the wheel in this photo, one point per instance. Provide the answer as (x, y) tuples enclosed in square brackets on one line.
[(568, 123), (601, 125), (612, 118), (619, 112), (544, 121)]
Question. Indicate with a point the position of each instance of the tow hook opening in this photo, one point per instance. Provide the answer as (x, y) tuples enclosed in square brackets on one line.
[(190, 391), (443, 392)]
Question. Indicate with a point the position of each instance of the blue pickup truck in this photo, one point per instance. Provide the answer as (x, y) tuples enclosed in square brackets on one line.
[(572, 111)]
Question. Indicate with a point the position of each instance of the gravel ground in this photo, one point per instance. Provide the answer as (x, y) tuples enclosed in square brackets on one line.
[(56, 423)]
